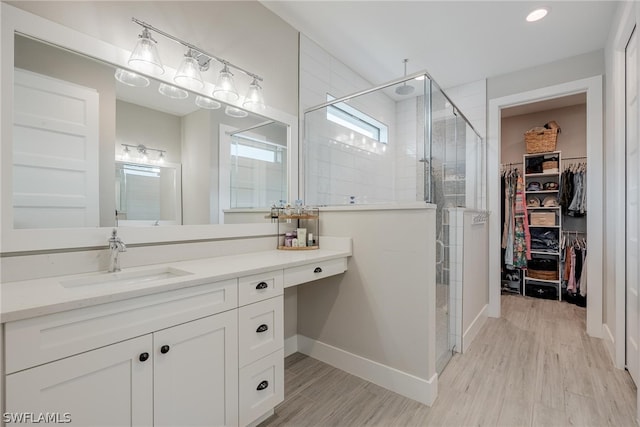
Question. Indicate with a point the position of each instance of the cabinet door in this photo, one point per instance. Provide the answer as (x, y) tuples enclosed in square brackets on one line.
[(196, 372), (109, 386)]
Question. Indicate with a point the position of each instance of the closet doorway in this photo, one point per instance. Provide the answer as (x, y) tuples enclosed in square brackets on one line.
[(592, 88), (551, 168)]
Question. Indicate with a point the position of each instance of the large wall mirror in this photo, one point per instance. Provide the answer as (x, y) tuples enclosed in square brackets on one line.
[(90, 151), (83, 151), (69, 106)]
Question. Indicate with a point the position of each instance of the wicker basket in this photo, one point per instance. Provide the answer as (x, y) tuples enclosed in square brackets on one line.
[(541, 141), (549, 164), (542, 274)]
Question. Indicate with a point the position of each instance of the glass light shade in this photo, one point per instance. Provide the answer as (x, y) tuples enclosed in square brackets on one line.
[(254, 99), (172, 91), (235, 112), (207, 103), (130, 78), (225, 88), (144, 57), (188, 74)]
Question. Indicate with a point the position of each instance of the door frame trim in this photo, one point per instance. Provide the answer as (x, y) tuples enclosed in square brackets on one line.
[(592, 87)]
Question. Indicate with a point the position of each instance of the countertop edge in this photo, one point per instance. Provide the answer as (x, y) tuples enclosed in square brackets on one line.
[(256, 263)]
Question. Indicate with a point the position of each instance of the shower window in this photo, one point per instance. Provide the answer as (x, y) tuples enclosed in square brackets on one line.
[(354, 119)]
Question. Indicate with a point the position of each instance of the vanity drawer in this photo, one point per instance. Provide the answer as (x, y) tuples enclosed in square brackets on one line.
[(261, 387), (259, 287), (260, 329), (39, 340), (317, 270)]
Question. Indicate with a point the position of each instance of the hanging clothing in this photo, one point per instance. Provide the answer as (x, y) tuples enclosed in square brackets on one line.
[(571, 286), (583, 279), (522, 237)]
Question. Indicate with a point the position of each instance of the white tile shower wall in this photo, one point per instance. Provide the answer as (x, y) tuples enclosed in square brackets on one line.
[(335, 171), (408, 140), (471, 99)]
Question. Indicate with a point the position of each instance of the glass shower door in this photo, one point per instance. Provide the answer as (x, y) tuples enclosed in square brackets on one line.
[(447, 175)]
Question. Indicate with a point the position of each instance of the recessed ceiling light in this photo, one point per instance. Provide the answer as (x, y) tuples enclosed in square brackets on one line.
[(537, 14)]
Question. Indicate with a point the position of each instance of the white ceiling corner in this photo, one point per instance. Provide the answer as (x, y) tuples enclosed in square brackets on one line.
[(457, 42)]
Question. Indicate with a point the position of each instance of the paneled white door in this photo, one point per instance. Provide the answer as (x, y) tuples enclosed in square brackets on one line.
[(55, 153), (109, 386), (196, 373), (632, 212)]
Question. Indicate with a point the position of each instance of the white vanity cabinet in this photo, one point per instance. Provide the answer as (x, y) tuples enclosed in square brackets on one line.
[(108, 386), (193, 364), (208, 352), (261, 345), (185, 374)]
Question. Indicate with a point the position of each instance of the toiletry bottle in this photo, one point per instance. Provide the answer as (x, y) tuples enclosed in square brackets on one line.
[(310, 239), (302, 237), (294, 242)]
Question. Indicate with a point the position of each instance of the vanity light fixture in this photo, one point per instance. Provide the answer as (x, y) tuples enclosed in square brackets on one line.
[(225, 88), (254, 99), (145, 58), (143, 152), (130, 78), (537, 14), (188, 74), (172, 91)]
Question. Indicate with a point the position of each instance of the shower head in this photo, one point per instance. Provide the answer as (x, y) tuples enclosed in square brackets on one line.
[(404, 89)]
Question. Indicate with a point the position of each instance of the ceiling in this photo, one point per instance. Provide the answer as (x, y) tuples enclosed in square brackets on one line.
[(455, 41)]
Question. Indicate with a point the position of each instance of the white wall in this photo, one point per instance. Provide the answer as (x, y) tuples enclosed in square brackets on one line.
[(562, 71), (475, 280), (381, 313)]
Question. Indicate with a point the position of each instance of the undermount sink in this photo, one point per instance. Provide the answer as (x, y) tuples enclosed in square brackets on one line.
[(126, 277)]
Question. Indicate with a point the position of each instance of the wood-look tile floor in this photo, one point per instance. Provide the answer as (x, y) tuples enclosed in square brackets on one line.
[(535, 366)]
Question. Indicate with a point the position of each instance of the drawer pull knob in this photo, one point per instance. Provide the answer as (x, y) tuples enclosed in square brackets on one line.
[(262, 328), (318, 270), (263, 385), (165, 349), (262, 285), (143, 357)]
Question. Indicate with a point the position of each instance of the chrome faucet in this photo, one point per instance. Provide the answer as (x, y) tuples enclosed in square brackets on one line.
[(116, 245)]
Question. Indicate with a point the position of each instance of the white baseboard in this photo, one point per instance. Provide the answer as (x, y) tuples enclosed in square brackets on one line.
[(419, 389), (473, 329), (290, 345)]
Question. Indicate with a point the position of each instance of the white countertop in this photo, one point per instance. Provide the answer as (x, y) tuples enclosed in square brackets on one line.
[(31, 298)]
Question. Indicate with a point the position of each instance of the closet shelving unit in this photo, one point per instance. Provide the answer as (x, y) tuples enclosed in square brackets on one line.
[(542, 178)]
